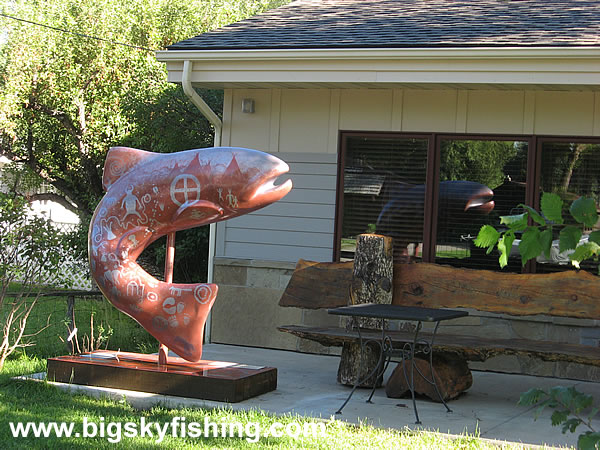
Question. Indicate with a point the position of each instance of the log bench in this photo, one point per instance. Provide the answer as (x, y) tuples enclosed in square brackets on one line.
[(571, 294)]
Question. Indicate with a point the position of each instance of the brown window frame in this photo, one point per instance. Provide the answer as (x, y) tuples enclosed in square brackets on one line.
[(534, 163)]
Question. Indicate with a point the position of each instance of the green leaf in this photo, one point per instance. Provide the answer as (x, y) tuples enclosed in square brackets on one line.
[(546, 241), (516, 222), (552, 207), (538, 411), (580, 401), (584, 251), (559, 417), (505, 245), (531, 397), (530, 246), (588, 441), (487, 237), (568, 238), (536, 216), (594, 237), (584, 211), (571, 425), (560, 394)]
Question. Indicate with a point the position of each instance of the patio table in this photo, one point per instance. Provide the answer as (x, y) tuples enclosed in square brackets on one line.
[(407, 351)]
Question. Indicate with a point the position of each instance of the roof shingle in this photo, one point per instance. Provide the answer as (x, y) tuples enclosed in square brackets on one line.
[(312, 24)]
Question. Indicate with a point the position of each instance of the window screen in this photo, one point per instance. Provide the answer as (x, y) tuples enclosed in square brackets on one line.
[(479, 181), (384, 192), (571, 170)]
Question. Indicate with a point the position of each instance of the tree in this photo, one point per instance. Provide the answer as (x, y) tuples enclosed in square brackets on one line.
[(66, 98), (571, 408), (481, 161)]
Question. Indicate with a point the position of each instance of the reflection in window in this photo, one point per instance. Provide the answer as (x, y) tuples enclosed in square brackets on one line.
[(384, 192), (384, 180), (479, 181), (571, 170)]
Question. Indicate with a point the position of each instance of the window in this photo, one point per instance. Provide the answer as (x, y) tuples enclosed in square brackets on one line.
[(384, 190), (432, 193), (571, 169), (479, 180)]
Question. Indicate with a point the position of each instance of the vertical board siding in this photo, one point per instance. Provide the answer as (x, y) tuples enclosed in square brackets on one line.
[(287, 120), (301, 225)]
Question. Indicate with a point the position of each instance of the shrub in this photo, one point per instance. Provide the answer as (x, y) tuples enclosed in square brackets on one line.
[(31, 255)]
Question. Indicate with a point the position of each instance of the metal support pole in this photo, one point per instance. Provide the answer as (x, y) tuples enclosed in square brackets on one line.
[(71, 324), (163, 351)]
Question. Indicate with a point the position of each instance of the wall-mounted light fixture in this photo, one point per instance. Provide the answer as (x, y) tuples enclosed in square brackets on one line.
[(248, 105)]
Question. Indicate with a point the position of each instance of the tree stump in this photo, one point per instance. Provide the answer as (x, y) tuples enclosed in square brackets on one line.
[(452, 376), (350, 363), (371, 283)]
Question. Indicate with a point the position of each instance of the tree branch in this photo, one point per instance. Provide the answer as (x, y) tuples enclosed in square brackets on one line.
[(70, 200), (62, 117), (77, 131)]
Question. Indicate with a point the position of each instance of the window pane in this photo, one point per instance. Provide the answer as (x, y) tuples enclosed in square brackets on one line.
[(480, 180), (571, 170), (384, 192)]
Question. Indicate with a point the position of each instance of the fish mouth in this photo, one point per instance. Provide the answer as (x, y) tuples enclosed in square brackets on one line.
[(270, 188), (268, 191), (481, 203)]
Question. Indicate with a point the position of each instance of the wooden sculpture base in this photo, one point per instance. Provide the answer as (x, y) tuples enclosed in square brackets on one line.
[(207, 380)]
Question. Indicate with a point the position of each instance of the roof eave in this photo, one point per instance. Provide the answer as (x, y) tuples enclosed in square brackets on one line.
[(506, 67)]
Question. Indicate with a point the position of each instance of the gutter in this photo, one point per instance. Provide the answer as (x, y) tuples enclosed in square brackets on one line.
[(328, 54), (217, 123), (199, 102)]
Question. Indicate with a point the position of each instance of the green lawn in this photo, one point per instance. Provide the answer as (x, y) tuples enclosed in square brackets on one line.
[(33, 401), (24, 401), (50, 313)]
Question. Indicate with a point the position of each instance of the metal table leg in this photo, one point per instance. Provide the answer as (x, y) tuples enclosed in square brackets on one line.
[(386, 348), (408, 353), (431, 368), (410, 349), (427, 349), (377, 369)]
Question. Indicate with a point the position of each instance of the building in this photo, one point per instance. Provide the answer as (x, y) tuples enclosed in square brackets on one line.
[(62, 217), (372, 102)]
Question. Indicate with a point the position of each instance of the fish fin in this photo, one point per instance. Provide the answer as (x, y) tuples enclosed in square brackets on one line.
[(133, 242), (119, 161), (198, 210)]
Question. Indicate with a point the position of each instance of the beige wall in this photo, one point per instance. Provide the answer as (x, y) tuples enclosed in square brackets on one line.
[(308, 120)]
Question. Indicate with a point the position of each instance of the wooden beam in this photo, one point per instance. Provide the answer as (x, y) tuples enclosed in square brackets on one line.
[(567, 294), (471, 348), (318, 285)]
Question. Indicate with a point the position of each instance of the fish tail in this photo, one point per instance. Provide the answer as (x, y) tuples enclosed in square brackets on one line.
[(183, 313)]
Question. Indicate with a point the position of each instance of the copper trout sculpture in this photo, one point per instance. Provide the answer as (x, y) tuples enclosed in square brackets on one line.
[(149, 195)]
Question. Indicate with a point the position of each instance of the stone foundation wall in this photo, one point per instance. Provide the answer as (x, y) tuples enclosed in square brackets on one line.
[(247, 312)]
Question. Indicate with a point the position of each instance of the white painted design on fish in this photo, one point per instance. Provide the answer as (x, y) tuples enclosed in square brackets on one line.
[(150, 195)]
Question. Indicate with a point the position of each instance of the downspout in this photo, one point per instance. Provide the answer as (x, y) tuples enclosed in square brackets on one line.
[(217, 123)]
